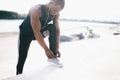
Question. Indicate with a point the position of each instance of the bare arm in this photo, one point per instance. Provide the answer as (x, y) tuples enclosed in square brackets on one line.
[(35, 14)]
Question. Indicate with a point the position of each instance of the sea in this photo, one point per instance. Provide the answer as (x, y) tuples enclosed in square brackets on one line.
[(66, 27)]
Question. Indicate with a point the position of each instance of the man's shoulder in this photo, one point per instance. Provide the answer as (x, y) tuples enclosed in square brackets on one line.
[(36, 10)]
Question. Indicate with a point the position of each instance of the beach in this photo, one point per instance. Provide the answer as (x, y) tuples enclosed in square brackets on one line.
[(86, 59)]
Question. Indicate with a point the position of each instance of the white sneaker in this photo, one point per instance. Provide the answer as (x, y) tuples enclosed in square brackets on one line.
[(55, 62)]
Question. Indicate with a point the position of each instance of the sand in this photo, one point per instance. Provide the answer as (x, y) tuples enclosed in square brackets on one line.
[(87, 59)]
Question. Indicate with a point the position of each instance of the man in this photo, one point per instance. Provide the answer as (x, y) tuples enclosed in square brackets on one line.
[(36, 26)]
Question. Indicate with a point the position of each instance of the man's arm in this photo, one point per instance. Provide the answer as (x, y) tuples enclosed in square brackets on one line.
[(35, 14), (56, 23)]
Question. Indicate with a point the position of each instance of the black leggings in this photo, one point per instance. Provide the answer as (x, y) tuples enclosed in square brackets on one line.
[(24, 43)]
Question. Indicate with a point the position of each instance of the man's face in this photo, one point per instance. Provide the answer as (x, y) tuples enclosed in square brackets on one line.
[(55, 9)]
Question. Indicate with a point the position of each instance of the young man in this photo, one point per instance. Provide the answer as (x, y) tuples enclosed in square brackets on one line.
[(36, 26)]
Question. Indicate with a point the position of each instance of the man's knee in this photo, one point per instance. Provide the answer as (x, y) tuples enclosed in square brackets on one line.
[(52, 27)]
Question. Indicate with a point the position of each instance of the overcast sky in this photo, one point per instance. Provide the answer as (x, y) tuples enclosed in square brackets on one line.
[(76, 9)]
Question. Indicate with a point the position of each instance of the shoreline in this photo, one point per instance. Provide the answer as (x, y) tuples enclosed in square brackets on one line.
[(6, 34)]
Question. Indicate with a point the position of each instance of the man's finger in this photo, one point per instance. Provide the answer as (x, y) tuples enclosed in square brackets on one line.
[(58, 54)]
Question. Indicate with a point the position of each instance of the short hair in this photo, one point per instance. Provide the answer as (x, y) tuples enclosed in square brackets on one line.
[(61, 2)]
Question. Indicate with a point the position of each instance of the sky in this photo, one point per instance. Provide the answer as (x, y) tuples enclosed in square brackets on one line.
[(75, 9)]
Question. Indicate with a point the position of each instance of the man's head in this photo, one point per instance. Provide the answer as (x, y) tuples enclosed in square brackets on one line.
[(59, 2), (55, 6)]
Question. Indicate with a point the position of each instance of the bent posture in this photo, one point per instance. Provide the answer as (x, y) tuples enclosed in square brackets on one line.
[(36, 26)]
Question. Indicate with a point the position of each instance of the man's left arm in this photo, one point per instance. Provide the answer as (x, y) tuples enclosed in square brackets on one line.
[(56, 23)]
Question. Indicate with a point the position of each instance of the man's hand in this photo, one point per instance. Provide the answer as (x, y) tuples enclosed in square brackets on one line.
[(49, 53), (58, 54)]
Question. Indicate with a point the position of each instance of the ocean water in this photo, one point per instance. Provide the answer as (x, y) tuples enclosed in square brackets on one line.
[(66, 26), (9, 25)]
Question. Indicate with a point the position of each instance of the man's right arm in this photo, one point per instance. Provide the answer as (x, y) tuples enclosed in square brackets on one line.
[(35, 14)]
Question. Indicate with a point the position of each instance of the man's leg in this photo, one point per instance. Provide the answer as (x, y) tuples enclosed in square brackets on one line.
[(52, 37), (52, 43), (24, 43)]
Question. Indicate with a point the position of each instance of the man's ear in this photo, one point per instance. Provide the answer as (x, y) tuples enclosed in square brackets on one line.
[(52, 2)]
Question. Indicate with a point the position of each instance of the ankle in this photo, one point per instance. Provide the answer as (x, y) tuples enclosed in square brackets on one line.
[(18, 73)]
